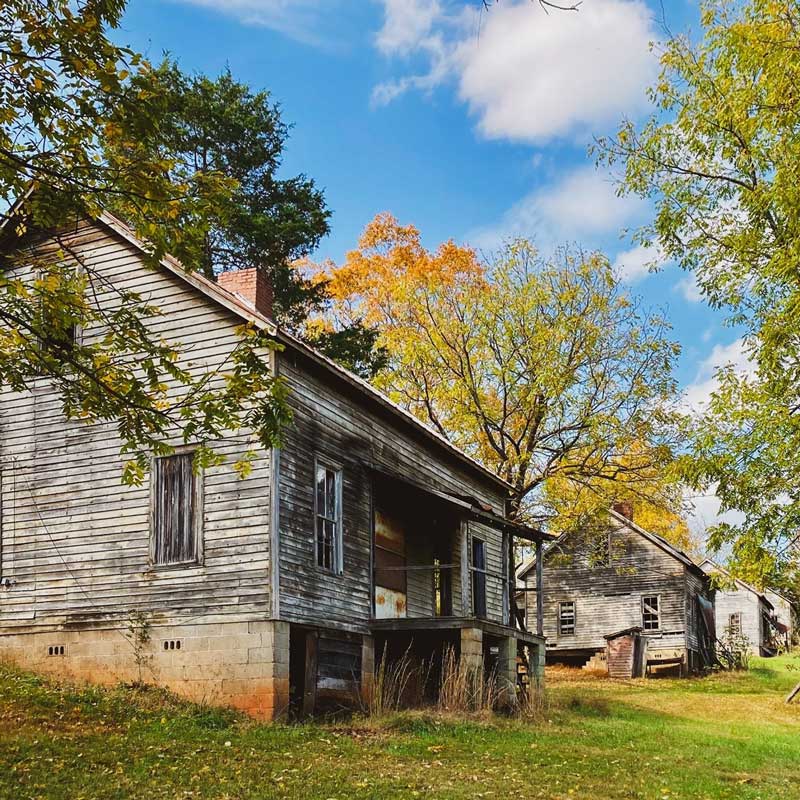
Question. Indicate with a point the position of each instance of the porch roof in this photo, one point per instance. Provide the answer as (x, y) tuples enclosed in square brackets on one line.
[(469, 507), (404, 624)]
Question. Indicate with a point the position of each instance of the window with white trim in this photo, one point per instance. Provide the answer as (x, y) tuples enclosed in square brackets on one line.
[(735, 624), (566, 617), (651, 612), (328, 517)]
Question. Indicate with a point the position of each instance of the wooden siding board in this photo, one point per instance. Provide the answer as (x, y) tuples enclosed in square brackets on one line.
[(331, 424), (76, 539)]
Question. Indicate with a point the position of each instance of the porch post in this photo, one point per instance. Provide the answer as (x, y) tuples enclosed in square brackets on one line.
[(539, 597), (466, 610), (310, 677), (507, 671), (472, 649), (367, 670), (512, 583)]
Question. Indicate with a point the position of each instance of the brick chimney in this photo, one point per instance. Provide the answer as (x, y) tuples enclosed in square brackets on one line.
[(624, 510), (250, 285)]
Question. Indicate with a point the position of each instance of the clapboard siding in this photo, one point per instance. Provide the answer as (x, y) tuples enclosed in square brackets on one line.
[(75, 539), (334, 425), (749, 605), (608, 598)]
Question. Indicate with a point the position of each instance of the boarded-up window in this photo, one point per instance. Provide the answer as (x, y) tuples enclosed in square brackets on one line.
[(328, 517), (175, 525), (390, 552), (651, 612), (566, 617), (478, 577)]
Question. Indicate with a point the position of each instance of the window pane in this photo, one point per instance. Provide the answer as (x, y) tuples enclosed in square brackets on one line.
[(327, 528), (329, 539), (330, 494), (321, 491), (320, 542), (650, 613), (566, 617)]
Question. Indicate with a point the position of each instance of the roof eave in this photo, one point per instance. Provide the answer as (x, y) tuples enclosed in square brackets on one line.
[(232, 303)]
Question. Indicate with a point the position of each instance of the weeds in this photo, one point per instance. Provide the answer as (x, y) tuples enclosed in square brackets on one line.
[(138, 634), (464, 688), (398, 684)]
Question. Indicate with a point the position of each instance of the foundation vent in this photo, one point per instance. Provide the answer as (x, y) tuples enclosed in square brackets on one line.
[(172, 644), (56, 650)]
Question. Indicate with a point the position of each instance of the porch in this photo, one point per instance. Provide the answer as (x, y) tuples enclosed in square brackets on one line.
[(443, 576)]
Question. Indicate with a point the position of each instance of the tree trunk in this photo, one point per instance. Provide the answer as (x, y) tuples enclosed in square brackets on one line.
[(793, 693)]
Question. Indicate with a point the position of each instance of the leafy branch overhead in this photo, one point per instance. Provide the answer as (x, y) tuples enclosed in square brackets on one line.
[(77, 115), (720, 160)]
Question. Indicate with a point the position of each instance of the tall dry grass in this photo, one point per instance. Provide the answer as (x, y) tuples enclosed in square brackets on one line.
[(462, 689), (467, 689), (398, 684)]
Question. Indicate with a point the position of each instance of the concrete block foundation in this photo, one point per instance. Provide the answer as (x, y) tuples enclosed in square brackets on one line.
[(243, 664)]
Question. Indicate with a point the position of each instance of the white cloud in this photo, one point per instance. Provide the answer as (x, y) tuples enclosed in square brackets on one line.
[(298, 19), (687, 286), (705, 513), (407, 25), (697, 393), (527, 75), (581, 203), (633, 265)]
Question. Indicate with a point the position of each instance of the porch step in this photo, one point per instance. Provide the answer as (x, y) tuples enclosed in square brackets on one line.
[(597, 663)]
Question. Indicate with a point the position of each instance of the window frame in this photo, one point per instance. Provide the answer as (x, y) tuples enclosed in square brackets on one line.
[(737, 631), (560, 620), (197, 495), (337, 566), (479, 577), (657, 598)]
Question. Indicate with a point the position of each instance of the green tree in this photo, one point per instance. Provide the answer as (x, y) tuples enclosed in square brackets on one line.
[(220, 127), (720, 160), (72, 142), (544, 369)]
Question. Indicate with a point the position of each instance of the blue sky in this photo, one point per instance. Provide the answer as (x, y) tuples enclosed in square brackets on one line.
[(473, 125)]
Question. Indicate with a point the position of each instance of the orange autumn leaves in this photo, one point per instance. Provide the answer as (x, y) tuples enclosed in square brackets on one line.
[(390, 270)]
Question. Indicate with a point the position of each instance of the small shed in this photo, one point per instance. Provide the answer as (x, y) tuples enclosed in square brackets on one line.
[(625, 653)]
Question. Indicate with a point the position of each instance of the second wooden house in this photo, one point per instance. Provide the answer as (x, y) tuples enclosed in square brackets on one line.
[(745, 612), (616, 576)]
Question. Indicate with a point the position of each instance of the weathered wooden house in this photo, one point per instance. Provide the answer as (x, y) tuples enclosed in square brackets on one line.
[(366, 532), (742, 610), (614, 577), (784, 614)]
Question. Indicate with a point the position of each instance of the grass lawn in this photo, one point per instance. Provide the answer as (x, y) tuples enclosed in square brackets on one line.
[(726, 736)]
